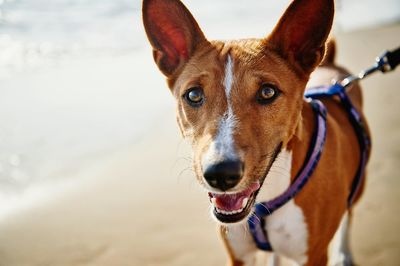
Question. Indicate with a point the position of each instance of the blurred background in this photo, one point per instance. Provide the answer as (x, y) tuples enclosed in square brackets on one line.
[(92, 167)]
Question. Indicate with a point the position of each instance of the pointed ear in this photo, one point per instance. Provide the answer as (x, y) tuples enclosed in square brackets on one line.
[(172, 31), (302, 31)]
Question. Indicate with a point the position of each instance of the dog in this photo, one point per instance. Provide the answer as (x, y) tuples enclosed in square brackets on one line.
[(241, 106)]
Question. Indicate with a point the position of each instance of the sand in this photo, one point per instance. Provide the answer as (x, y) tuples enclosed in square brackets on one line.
[(141, 205)]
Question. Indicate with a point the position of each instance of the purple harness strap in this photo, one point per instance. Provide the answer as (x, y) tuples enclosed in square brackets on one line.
[(256, 221), (356, 120)]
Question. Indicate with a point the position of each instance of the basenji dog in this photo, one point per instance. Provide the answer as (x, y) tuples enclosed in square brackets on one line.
[(241, 106)]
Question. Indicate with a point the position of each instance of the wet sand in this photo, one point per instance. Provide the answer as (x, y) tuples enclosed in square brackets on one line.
[(142, 206)]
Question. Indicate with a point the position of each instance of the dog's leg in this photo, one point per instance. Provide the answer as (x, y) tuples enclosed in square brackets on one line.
[(239, 245), (340, 254)]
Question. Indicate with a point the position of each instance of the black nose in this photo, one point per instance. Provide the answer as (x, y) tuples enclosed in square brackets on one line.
[(224, 175)]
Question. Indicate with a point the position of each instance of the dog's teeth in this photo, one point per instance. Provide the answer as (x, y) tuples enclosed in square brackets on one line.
[(229, 212), (244, 203), (224, 212)]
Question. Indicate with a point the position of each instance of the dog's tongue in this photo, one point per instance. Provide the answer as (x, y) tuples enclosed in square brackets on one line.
[(229, 202), (233, 202)]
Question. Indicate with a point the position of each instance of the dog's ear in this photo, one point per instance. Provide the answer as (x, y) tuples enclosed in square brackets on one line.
[(301, 33), (173, 33)]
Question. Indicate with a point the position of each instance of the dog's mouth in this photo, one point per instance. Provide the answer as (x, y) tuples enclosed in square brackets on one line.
[(231, 208), (234, 207)]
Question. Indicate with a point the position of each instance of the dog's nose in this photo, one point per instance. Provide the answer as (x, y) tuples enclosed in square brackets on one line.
[(224, 175)]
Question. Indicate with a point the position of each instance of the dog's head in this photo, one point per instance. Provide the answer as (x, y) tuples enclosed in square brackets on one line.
[(238, 102)]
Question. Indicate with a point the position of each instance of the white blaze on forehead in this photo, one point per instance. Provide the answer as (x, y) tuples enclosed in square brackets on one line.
[(222, 146), (228, 80)]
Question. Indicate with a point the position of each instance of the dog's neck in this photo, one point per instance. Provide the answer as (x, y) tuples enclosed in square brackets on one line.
[(291, 158)]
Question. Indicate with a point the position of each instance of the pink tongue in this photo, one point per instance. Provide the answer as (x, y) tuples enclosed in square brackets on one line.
[(233, 202), (229, 202)]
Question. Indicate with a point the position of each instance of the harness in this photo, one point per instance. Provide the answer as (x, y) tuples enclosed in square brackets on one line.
[(257, 220)]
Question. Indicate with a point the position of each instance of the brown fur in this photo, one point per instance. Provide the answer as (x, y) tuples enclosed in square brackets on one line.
[(286, 58)]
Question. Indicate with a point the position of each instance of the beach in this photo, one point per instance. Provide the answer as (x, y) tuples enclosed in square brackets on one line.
[(93, 169)]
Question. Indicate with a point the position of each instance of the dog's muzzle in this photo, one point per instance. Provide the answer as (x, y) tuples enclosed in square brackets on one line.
[(224, 175)]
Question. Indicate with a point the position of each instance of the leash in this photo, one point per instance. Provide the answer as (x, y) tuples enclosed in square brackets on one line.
[(385, 63)]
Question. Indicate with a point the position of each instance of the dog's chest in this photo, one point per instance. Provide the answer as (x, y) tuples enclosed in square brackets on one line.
[(287, 232), (286, 227)]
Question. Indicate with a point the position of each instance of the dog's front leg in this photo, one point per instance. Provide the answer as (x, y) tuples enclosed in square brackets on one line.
[(239, 244)]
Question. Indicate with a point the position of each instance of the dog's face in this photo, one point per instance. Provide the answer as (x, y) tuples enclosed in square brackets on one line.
[(238, 103)]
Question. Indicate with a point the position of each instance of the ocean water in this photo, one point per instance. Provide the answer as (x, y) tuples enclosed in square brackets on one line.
[(72, 72), (34, 32)]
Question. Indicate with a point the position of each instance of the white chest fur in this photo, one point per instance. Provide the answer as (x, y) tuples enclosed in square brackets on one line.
[(287, 232), (286, 227)]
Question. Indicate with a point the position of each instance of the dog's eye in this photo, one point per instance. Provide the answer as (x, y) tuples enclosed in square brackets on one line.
[(267, 93), (194, 96)]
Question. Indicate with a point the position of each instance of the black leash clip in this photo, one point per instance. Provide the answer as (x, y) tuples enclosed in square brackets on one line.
[(389, 60), (385, 63)]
